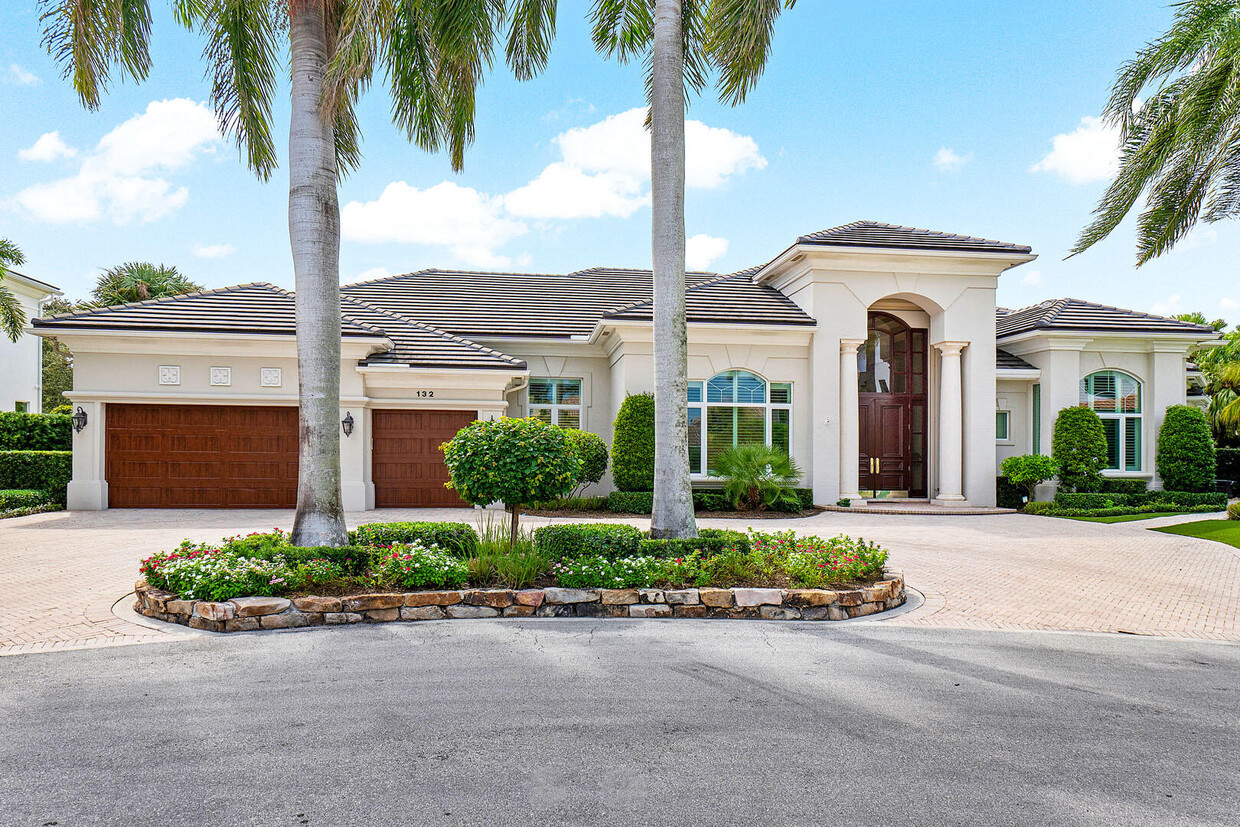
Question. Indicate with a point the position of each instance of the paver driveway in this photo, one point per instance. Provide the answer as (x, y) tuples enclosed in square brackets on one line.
[(61, 573)]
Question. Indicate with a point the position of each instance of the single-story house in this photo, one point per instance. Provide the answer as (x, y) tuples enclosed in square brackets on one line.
[(875, 354), (21, 362)]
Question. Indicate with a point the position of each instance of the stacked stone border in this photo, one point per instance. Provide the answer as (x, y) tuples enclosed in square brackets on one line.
[(247, 614)]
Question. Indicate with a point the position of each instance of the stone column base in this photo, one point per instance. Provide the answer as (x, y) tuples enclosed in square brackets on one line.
[(87, 495), (955, 500)]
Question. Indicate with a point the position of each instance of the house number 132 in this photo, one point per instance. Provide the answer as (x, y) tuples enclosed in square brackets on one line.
[(425, 394)]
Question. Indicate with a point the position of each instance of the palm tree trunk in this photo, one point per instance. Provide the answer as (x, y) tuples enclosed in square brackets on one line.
[(314, 229), (673, 496)]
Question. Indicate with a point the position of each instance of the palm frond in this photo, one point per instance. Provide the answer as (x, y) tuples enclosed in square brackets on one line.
[(623, 29), (10, 255), (12, 314), (531, 29), (89, 37), (739, 43)]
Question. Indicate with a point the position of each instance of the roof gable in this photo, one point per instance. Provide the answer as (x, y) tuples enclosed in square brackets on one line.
[(895, 236), (731, 299), (1077, 314), (418, 345)]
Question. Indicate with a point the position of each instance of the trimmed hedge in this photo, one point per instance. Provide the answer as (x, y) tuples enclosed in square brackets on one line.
[(1176, 499), (1079, 448), (610, 541), (455, 538), (1185, 456), (632, 444), (1124, 486), (709, 541), (35, 432), (631, 502), (23, 498), (1083, 500), (48, 471), (704, 499)]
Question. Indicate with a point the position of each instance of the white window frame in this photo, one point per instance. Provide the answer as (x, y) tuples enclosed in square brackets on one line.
[(1121, 417), (768, 420), (555, 409)]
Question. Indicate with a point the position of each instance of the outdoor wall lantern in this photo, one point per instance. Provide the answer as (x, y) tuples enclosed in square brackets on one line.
[(347, 423), (78, 419)]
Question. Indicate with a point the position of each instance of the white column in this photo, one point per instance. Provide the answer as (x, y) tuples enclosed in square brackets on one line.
[(88, 490), (951, 423), (850, 431)]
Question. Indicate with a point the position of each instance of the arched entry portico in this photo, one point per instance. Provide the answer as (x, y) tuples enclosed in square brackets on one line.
[(892, 409)]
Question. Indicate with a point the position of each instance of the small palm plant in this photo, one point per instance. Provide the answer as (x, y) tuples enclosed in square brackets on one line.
[(12, 314), (138, 281), (758, 476)]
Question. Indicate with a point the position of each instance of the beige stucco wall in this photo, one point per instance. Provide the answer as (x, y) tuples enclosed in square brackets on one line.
[(1014, 397), (21, 373)]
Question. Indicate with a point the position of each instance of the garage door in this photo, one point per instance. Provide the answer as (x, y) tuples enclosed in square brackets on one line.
[(201, 456), (407, 465)]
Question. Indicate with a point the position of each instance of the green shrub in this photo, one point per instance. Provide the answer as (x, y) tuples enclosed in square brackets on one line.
[(1189, 499), (568, 542), (22, 498), (414, 566), (1233, 510), (632, 444), (67, 410), (591, 453), (1008, 495), (631, 502), (1124, 486), (1228, 463), (1026, 473), (572, 504), (48, 471), (1038, 507), (806, 495), (601, 573), (709, 541), (204, 573), (456, 538), (351, 560), (1069, 499), (1079, 448), (759, 476), (35, 432), (709, 500), (1185, 456)]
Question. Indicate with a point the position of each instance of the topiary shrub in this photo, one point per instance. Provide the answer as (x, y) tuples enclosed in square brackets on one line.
[(513, 461), (456, 538), (35, 432), (609, 541), (1079, 448), (632, 444), (591, 453), (1027, 472), (1185, 456), (48, 471), (630, 502)]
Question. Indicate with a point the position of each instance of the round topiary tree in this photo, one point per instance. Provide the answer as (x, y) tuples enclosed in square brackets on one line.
[(1185, 457), (1079, 448), (632, 444), (1028, 471), (591, 453), (513, 461)]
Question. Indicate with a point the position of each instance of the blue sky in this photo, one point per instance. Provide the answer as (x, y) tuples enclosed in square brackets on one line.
[(967, 117)]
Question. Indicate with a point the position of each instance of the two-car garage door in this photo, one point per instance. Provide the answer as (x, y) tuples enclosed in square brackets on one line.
[(244, 456)]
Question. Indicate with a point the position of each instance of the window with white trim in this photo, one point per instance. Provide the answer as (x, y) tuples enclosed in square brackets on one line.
[(1116, 398), (736, 407), (557, 401), (1003, 426)]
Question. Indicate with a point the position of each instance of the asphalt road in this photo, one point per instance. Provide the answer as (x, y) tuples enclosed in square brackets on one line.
[(642, 723)]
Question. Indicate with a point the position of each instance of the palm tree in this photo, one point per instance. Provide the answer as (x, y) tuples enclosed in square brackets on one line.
[(682, 43), (12, 314), (433, 54), (1176, 107), (137, 281)]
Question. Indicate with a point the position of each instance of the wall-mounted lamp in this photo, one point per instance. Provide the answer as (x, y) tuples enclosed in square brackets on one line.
[(78, 419), (347, 423)]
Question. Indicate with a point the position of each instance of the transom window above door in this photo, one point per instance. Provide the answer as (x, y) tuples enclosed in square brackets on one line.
[(1116, 398), (557, 401), (736, 407)]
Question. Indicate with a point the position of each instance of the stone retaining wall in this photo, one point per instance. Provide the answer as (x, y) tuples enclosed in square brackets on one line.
[(245, 614)]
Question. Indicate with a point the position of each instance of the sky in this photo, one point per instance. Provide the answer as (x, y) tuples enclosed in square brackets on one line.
[(977, 118)]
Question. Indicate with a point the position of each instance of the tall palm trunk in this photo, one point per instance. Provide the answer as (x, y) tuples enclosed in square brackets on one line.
[(314, 229), (673, 496)]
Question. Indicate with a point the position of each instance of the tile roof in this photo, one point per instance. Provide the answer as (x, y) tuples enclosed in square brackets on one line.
[(731, 299), (1009, 361), (1075, 314), (418, 345), (875, 234), (247, 308)]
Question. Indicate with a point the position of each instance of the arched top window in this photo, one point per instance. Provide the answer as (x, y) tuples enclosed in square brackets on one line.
[(892, 359), (1116, 398), (736, 407)]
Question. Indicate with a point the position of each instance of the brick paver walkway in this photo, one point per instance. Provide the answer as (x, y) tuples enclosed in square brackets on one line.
[(61, 573)]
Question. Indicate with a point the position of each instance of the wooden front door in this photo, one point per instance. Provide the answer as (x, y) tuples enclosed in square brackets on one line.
[(891, 396), (885, 445), (201, 456), (407, 465)]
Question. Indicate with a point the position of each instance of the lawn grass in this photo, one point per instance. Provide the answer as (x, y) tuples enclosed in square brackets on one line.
[(1221, 531), (1126, 518)]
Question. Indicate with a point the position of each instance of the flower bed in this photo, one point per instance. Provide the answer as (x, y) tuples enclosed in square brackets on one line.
[(227, 586)]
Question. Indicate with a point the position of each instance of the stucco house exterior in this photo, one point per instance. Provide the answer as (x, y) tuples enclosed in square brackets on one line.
[(21, 362), (874, 353)]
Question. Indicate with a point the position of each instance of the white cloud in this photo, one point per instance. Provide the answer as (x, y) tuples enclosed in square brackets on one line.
[(214, 250), (948, 159), (605, 168), (121, 177), (17, 75), (1032, 278), (470, 224), (1087, 154), (703, 250), (1228, 304), (48, 147), (1169, 306), (372, 274)]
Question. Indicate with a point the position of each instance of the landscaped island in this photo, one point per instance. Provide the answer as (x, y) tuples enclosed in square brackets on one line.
[(430, 571)]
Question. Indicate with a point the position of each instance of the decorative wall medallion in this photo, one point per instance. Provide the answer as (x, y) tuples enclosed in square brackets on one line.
[(221, 376), (270, 377), (169, 374)]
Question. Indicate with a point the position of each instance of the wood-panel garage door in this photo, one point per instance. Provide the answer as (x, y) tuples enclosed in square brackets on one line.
[(407, 465), (201, 456)]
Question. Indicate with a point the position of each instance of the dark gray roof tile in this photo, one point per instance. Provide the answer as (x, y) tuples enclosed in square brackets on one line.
[(894, 236), (1009, 361), (731, 299), (418, 345), (1075, 314)]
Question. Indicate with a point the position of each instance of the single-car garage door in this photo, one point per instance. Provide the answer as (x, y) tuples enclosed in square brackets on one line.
[(407, 466), (201, 456)]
